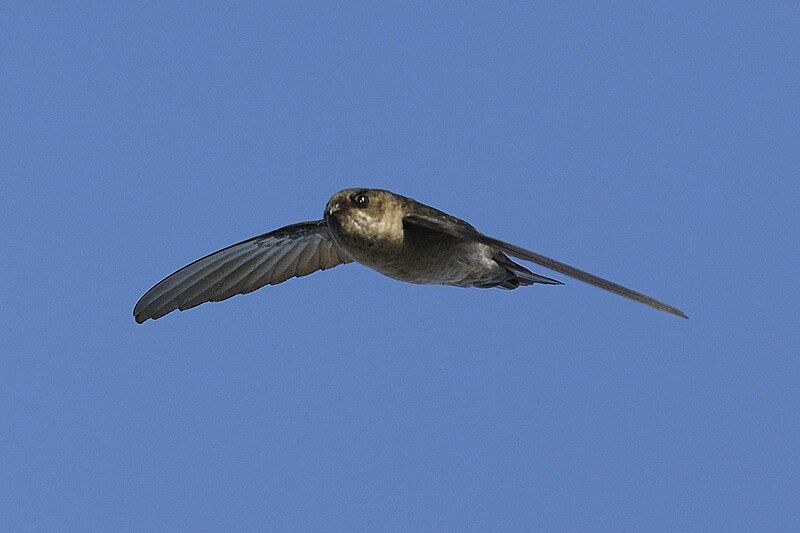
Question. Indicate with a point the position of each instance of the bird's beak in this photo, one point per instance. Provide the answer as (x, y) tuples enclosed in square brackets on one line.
[(334, 208)]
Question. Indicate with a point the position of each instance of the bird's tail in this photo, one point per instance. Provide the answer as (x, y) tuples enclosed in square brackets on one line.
[(518, 275)]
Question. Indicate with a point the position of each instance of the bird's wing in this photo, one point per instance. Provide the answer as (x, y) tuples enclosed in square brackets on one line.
[(268, 259), (459, 229)]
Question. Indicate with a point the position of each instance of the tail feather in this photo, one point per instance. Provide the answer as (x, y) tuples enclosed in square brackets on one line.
[(586, 277), (519, 275)]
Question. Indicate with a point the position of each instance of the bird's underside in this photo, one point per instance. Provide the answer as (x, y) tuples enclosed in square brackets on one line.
[(431, 257), (395, 235)]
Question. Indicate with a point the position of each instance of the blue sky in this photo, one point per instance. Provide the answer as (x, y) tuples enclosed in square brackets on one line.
[(655, 144)]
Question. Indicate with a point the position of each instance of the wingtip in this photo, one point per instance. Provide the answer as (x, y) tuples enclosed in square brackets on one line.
[(675, 311), (137, 312)]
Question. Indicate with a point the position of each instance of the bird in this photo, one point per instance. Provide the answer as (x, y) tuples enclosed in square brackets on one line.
[(397, 236)]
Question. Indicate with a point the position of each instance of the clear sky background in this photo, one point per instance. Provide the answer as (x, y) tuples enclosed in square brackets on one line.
[(656, 145)]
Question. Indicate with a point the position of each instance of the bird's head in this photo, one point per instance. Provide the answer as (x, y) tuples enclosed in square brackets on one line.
[(365, 215)]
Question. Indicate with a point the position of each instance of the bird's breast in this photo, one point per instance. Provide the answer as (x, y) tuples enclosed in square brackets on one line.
[(414, 257), (446, 263)]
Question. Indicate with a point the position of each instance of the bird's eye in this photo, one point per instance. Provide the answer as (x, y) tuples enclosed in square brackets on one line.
[(361, 200)]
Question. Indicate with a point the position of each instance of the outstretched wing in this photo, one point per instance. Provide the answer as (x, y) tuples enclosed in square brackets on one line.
[(457, 228), (269, 259)]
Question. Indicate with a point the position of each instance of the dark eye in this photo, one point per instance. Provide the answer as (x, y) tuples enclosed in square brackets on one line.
[(361, 200)]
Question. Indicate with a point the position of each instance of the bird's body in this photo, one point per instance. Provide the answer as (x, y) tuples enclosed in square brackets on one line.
[(379, 240), (441, 263), (392, 234)]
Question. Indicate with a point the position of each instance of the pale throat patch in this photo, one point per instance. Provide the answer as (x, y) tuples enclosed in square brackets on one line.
[(389, 227)]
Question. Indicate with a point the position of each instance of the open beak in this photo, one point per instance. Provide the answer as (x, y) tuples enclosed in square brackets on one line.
[(334, 208)]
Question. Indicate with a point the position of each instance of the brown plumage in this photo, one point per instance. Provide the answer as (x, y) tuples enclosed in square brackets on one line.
[(394, 235)]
